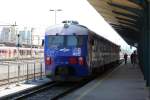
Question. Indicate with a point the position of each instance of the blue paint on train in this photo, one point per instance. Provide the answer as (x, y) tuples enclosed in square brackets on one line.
[(76, 51), (66, 53)]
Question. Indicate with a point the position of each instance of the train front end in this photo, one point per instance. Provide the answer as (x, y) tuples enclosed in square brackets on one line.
[(66, 52)]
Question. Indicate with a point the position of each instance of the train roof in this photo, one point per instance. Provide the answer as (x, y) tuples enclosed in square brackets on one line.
[(95, 35), (67, 29), (73, 29)]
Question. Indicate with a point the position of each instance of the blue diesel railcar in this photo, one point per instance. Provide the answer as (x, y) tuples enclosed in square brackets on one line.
[(73, 52)]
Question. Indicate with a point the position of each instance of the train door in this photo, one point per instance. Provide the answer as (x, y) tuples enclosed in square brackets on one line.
[(90, 45)]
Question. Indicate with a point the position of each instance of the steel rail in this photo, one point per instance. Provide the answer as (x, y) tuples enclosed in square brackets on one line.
[(28, 92)]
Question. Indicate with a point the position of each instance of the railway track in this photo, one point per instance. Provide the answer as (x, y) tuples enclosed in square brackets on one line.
[(52, 90), (48, 91), (28, 92)]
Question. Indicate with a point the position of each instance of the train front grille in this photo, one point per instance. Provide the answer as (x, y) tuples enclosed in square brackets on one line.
[(63, 70)]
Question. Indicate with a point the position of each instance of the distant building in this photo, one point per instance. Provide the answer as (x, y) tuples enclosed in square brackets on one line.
[(8, 34), (22, 37), (12, 34), (25, 36), (28, 36), (5, 34)]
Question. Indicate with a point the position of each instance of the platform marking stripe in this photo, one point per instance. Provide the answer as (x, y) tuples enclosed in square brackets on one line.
[(96, 84)]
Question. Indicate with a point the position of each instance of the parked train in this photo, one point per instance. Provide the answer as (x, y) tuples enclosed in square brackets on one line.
[(73, 52), (8, 53)]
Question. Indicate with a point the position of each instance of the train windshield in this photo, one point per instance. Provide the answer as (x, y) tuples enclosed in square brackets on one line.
[(65, 40)]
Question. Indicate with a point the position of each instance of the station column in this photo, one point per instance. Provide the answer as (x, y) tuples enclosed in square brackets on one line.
[(148, 38), (144, 43)]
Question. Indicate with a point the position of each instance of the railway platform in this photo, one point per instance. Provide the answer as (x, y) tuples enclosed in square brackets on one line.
[(7, 91), (126, 82)]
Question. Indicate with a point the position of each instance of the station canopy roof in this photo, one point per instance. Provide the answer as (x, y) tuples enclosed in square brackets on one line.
[(126, 16)]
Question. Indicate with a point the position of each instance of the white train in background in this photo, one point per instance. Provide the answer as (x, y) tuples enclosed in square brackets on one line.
[(22, 53)]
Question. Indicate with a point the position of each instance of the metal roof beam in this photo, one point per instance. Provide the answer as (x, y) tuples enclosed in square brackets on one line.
[(129, 20), (116, 27), (126, 3), (133, 10), (130, 23), (139, 21), (138, 2), (124, 26), (128, 34), (118, 9), (129, 26), (127, 15)]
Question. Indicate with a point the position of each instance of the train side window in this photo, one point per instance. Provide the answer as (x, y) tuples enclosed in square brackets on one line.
[(92, 41), (72, 41)]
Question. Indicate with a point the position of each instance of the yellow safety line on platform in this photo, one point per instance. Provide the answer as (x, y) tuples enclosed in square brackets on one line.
[(96, 84)]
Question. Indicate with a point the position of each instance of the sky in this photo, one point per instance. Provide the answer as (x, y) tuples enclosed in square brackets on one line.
[(37, 14)]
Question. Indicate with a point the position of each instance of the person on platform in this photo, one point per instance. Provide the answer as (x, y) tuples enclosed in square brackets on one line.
[(133, 57), (125, 58)]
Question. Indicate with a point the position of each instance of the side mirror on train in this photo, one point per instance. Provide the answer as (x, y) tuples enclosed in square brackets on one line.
[(42, 42)]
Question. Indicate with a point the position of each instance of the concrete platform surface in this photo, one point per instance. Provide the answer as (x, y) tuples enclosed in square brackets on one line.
[(14, 88), (124, 83)]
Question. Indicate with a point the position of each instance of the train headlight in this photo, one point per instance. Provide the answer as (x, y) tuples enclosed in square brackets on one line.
[(72, 60), (48, 60), (81, 60)]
